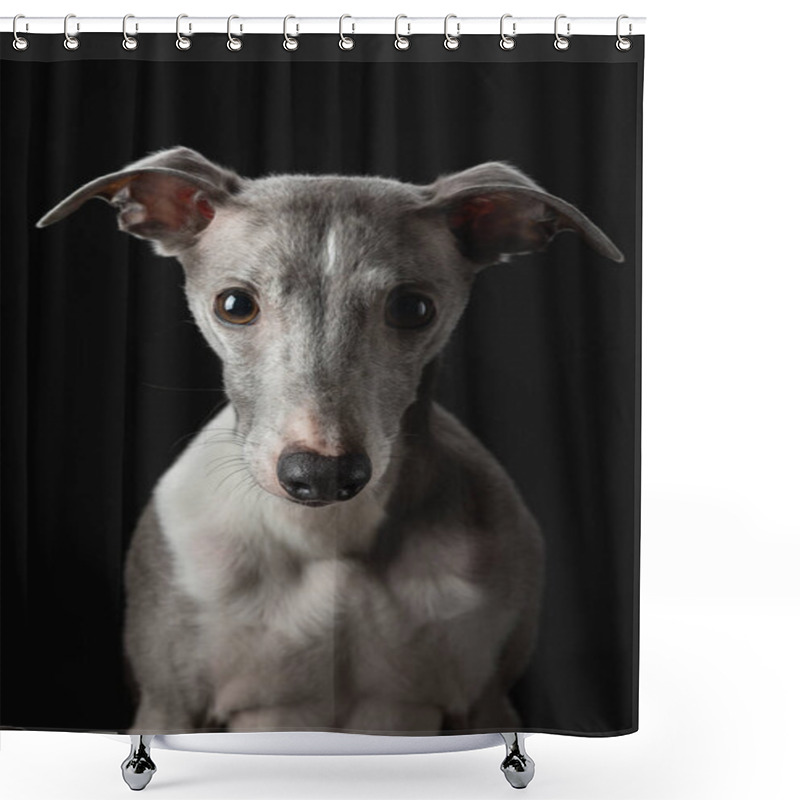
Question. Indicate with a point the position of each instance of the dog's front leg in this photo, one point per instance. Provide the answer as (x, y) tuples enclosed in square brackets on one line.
[(282, 717), (158, 716), (379, 714)]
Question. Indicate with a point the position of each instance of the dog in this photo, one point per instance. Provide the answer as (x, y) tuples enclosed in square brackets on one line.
[(372, 567)]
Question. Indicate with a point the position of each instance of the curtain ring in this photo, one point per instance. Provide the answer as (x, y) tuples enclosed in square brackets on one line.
[(401, 42), (507, 42), (561, 42), (452, 42), (71, 42), (129, 42), (182, 42), (623, 44), (234, 43), (290, 43), (346, 42), (20, 42)]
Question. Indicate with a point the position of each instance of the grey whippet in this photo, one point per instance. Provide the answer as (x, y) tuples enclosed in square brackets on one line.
[(273, 604)]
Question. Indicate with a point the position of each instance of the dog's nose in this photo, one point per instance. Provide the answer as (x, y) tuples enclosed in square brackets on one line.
[(311, 477)]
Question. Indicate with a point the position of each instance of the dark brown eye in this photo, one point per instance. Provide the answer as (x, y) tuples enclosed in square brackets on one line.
[(407, 308), (236, 307)]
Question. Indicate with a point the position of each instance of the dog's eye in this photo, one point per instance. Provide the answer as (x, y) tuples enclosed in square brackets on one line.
[(406, 308), (236, 307)]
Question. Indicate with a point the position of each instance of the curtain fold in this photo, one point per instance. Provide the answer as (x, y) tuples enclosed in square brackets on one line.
[(105, 378)]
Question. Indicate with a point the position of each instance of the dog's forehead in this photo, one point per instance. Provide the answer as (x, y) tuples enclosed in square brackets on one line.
[(363, 205), (329, 224), (293, 235), (298, 191)]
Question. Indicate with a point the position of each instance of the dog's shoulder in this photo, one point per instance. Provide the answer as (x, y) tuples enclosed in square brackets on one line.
[(474, 475), (457, 487)]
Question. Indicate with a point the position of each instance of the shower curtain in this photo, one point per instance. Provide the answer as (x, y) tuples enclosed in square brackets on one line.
[(109, 373)]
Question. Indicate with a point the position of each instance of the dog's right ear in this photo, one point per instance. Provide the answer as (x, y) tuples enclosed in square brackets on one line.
[(168, 197), (495, 211)]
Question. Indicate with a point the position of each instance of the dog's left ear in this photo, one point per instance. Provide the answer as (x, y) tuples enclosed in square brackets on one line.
[(495, 211), (168, 197)]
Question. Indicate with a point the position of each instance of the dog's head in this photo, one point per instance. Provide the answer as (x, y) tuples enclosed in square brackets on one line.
[(325, 297)]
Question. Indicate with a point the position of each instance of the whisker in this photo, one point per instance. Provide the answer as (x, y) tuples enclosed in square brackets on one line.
[(217, 406), (225, 465), (249, 484), (180, 388), (222, 435), (229, 457), (230, 475)]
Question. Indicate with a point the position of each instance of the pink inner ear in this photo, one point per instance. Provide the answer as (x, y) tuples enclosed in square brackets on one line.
[(486, 224), (490, 225), (205, 208), (154, 206), (471, 211), (188, 201)]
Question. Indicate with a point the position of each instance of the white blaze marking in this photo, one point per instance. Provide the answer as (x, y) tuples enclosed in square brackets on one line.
[(331, 250)]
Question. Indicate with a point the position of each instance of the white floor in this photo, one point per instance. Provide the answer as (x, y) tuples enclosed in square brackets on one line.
[(719, 691)]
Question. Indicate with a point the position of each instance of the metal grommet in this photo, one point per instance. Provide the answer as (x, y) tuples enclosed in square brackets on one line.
[(561, 42), (401, 42), (622, 43), (452, 42), (182, 42), (346, 42), (234, 43), (290, 43), (20, 42), (507, 42), (71, 42), (129, 42)]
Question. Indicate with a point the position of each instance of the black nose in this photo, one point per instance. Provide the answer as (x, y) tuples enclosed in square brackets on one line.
[(313, 478)]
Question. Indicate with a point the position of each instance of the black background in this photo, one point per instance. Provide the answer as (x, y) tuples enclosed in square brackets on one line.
[(104, 377)]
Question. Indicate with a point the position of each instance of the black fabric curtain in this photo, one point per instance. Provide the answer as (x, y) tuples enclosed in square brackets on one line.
[(105, 378)]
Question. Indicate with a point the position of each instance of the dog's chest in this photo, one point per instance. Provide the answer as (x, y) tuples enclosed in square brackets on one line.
[(335, 628), (285, 618)]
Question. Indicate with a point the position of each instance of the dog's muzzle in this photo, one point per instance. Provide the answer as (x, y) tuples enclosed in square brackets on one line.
[(314, 479)]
